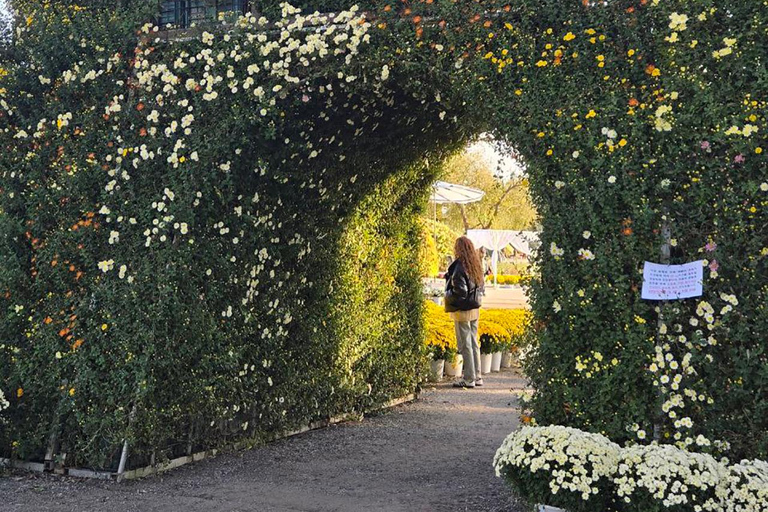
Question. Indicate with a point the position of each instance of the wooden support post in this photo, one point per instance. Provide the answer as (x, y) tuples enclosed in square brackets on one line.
[(665, 254), (50, 452), (190, 443), (125, 452), (53, 439)]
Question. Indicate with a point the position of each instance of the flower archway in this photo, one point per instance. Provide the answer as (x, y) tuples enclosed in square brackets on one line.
[(164, 280)]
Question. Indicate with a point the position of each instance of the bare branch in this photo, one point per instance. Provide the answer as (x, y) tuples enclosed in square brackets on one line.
[(497, 205)]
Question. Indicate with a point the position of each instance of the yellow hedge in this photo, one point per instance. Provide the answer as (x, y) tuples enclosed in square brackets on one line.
[(498, 327), (512, 320), (439, 327), (507, 279)]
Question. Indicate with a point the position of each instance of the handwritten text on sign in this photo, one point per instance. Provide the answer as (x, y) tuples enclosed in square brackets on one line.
[(669, 282)]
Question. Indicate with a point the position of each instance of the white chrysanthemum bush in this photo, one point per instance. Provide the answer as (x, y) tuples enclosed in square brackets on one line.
[(582, 471), (213, 236), (574, 466)]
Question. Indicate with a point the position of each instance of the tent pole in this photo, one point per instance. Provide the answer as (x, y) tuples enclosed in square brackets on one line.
[(434, 233)]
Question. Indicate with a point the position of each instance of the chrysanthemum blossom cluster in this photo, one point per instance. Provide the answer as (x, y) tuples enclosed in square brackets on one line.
[(577, 461), (3, 401), (259, 67), (638, 475)]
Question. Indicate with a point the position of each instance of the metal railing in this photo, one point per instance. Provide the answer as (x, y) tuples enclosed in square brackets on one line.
[(184, 13)]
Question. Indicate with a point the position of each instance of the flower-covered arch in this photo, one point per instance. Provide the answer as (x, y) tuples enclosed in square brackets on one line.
[(222, 247)]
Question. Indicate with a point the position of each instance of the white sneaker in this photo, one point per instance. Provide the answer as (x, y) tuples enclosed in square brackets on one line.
[(464, 384), (479, 382)]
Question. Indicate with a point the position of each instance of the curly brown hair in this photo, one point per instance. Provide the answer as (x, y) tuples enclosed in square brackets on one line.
[(464, 251)]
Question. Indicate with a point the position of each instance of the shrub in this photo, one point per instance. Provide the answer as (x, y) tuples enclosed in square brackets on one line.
[(439, 331), (517, 267), (561, 466), (746, 489), (655, 478), (627, 131), (429, 261), (513, 321), (450, 355), (506, 279), (492, 336), (498, 329), (581, 471), (444, 237)]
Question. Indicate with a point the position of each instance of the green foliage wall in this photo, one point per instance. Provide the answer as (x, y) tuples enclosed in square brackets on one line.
[(196, 249), (630, 115), (633, 116)]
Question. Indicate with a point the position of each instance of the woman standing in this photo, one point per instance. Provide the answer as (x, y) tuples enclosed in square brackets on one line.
[(463, 296)]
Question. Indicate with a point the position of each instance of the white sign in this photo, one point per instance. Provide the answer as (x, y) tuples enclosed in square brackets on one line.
[(670, 282)]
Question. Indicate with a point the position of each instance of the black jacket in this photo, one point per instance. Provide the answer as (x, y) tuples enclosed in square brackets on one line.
[(461, 293)]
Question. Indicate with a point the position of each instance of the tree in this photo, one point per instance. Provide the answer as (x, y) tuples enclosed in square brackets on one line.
[(506, 204)]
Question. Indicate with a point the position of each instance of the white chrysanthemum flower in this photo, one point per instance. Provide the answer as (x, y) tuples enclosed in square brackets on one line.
[(106, 265)]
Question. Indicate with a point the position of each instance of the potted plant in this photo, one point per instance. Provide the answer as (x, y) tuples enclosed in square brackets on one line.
[(492, 335), (487, 346), (507, 357), (454, 363), (496, 359), (434, 294), (437, 365)]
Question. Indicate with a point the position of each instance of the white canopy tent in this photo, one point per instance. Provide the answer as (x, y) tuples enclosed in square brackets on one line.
[(495, 240), (450, 193), (443, 193)]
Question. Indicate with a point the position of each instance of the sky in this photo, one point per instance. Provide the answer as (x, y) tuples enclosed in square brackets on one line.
[(496, 158)]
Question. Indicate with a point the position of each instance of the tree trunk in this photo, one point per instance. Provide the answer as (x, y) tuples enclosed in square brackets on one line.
[(464, 218), (495, 208)]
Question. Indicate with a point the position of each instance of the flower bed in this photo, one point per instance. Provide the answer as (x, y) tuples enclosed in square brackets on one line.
[(581, 471), (507, 279), (440, 338), (498, 330)]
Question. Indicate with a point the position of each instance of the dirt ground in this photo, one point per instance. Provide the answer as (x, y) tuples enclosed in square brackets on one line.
[(431, 455)]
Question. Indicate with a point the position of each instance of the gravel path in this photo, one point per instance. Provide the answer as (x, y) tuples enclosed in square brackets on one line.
[(431, 455)]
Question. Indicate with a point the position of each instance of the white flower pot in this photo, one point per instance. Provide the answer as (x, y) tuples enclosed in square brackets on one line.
[(506, 360), (436, 369), (485, 363), (437, 300), (496, 362), (454, 370)]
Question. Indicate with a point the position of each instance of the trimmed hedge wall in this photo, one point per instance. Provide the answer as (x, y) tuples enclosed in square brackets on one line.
[(194, 250), (632, 117)]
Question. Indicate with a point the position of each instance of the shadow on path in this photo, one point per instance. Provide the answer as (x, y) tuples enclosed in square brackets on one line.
[(431, 455)]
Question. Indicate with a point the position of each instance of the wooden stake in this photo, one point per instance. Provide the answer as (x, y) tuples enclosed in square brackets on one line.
[(665, 253)]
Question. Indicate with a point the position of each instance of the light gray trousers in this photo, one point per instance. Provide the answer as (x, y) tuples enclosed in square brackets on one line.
[(469, 348)]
